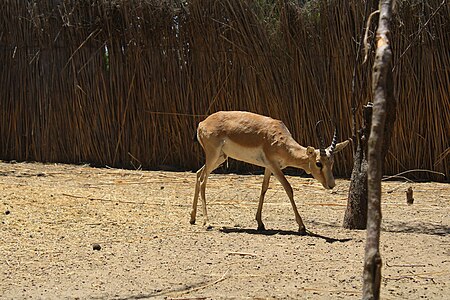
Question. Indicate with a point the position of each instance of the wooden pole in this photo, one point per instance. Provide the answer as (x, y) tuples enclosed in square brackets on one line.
[(383, 95)]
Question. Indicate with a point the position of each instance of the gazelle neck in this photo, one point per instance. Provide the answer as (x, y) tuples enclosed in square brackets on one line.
[(298, 157)]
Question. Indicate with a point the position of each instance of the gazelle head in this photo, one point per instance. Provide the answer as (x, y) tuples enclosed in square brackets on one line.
[(321, 160)]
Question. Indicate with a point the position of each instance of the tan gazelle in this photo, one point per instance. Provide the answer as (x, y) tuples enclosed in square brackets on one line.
[(264, 142)]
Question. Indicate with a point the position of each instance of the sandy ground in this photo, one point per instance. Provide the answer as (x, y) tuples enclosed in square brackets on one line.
[(51, 215)]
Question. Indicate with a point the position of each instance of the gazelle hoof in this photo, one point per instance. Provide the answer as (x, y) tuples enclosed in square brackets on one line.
[(261, 227), (302, 231)]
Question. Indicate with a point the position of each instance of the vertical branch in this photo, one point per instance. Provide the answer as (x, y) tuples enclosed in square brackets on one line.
[(383, 95)]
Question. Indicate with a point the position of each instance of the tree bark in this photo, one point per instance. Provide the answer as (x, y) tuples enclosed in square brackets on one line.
[(383, 95)]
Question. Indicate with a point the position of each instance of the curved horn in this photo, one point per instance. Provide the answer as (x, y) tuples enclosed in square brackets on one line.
[(321, 142), (334, 141)]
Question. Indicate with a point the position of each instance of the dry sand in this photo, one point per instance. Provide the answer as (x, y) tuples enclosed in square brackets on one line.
[(52, 215)]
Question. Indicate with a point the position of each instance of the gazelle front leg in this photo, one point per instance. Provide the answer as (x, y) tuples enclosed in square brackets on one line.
[(265, 186), (287, 187)]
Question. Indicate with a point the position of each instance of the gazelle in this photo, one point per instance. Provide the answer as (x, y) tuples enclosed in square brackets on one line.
[(264, 142)]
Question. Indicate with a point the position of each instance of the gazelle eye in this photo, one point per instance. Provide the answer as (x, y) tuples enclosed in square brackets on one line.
[(319, 164)]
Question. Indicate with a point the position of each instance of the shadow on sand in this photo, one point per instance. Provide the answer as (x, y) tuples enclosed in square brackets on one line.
[(280, 232), (416, 227)]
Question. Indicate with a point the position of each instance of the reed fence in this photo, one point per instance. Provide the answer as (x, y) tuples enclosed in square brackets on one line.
[(124, 83)]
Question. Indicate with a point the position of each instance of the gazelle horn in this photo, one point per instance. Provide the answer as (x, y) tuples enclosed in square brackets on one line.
[(334, 141), (321, 142)]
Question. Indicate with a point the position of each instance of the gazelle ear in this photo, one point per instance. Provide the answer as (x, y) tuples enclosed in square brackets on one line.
[(311, 152), (340, 146)]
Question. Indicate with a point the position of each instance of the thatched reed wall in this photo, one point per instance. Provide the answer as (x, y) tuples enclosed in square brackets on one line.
[(124, 83)]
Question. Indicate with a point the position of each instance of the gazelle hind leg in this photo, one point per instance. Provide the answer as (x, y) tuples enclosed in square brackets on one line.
[(196, 194), (216, 160)]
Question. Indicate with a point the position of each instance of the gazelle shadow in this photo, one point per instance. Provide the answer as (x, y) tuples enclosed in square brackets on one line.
[(281, 232)]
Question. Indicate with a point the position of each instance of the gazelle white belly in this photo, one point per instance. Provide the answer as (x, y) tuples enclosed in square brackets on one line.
[(252, 155)]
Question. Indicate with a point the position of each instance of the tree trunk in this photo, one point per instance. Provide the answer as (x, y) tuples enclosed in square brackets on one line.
[(356, 212), (383, 97)]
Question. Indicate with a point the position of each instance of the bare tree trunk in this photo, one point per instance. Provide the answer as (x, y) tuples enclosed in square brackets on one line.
[(383, 94)]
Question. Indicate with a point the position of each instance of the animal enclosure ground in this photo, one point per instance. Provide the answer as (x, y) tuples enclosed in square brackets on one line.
[(51, 215)]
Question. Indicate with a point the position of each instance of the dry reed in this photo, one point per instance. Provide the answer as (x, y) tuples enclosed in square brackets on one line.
[(124, 83)]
